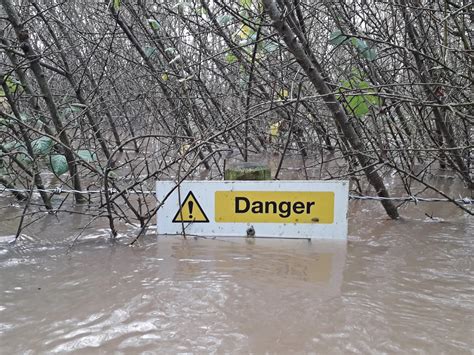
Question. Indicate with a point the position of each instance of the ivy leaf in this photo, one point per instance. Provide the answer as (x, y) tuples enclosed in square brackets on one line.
[(253, 37), (11, 146), (224, 19), (245, 32), (364, 49), (246, 4), (58, 164), (112, 175), (201, 11), (74, 108), (358, 103), (22, 156), (25, 118), (274, 130), (282, 94), (87, 155), (42, 146), (360, 44), (150, 51), (370, 54), (244, 78), (230, 58), (336, 38), (13, 85), (117, 4), (270, 46), (153, 24)]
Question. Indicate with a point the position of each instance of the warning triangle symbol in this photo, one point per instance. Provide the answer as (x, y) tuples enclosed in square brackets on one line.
[(190, 211)]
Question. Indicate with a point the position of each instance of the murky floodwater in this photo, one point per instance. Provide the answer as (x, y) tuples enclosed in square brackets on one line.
[(396, 287)]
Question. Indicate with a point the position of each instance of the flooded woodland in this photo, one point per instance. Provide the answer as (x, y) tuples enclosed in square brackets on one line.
[(100, 100)]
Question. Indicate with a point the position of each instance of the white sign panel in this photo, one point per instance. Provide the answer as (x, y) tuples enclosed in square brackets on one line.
[(266, 209)]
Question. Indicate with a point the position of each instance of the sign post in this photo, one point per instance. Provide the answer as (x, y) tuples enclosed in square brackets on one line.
[(270, 209)]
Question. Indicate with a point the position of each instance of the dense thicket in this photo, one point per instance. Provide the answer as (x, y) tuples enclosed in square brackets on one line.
[(115, 94)]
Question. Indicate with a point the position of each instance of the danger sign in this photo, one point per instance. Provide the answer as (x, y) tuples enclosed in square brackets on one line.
[(274, 206), (284, 209)]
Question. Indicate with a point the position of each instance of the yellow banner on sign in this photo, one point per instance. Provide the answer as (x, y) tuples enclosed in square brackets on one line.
[(274, 207)]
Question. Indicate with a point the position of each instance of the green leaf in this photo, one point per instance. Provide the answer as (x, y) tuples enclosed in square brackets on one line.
[(25, 118), (358, 103), (23, 157), (13, 85), (58, 164), (117, 4), (74, 108), (336, 38), (112, 175), (201, 11), (274, 130), (19, 150), (150, 51), (42, 146), (245, 32), (247, 4), (87, 155), (224, 19), (153, 24), (360, 44), (253, 37), (270, 46), (11, 146), (244, 80), (282, 94), (364, 49), (230, 58), (370, 54)]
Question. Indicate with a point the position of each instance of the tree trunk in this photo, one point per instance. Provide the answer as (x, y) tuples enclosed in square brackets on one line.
[(33, 57), (310, 67)]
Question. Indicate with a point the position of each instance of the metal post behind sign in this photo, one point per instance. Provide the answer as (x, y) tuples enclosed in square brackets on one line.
[(266, 209)]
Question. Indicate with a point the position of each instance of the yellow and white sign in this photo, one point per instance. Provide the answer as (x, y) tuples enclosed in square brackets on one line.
[(274, 206), (281, 209)]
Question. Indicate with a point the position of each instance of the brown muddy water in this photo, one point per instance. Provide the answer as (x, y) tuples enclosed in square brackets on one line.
[(395, 287)]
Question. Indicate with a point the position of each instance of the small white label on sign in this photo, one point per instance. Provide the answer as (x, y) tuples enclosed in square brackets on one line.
[(272, 209)]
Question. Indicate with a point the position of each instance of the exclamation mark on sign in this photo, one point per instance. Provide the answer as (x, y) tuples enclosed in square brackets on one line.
[(190, 211), (190, 206)]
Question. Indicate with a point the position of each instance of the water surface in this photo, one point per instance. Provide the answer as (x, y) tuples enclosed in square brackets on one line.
[(395, 287)]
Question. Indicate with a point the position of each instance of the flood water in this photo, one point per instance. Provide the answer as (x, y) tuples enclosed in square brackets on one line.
[(395, 287)]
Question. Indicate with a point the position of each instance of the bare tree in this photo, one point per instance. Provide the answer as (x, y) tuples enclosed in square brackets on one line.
[(113, 95)]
